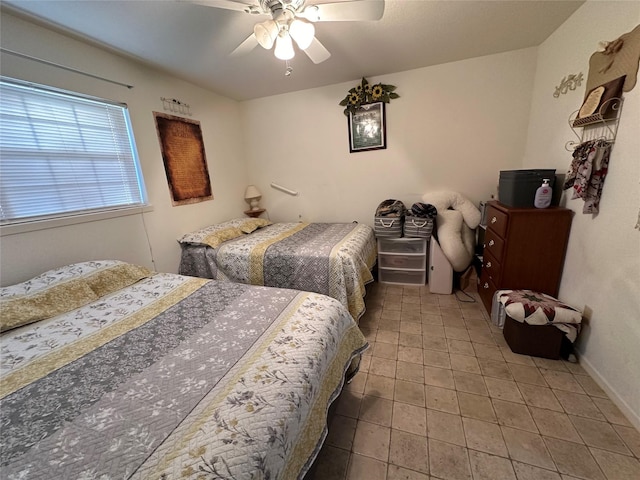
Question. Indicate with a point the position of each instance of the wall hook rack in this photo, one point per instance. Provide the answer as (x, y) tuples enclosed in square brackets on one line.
[(601, 125), (175, 106)]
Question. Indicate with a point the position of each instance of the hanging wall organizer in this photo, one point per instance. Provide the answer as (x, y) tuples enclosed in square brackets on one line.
[(599, 116), (596, 126), (598, 119), (612, 70)]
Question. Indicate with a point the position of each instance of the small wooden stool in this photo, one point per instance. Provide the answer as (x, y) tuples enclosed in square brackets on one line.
[(536, 340), (532, 320)]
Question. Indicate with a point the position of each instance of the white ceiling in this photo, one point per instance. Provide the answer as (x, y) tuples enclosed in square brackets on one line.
[(193, 41)]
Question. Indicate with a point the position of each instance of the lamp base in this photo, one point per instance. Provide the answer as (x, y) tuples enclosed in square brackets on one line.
[(254, 213)]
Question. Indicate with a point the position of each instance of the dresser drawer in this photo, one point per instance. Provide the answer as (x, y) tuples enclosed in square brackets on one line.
[(497, 221), (402, 245), (493, 244), (486, 289), (390, 260), (492, 268), (402, 277)]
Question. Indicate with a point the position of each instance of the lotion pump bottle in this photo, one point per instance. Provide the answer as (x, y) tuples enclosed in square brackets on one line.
[(543, 195)]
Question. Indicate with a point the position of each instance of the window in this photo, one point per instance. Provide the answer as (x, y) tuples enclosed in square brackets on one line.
[(64, 154)]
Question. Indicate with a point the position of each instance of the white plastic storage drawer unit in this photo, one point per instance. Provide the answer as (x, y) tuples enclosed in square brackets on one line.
[(402, 260)]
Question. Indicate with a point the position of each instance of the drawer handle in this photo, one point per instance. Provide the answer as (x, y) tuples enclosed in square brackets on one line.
[(491, 243), (488, 264), (486, 285), (494, 220)]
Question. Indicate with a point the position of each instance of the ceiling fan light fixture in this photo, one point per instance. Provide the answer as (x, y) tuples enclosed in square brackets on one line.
[(266, 33), (284, 47), (302, 32)]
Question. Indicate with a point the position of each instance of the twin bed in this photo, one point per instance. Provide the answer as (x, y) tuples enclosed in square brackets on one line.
[(334, 259), (109, 370)]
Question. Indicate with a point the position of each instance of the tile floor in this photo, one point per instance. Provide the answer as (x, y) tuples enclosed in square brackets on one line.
[(441, 396)]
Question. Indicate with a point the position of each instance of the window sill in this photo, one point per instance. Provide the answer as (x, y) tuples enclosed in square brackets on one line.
[(17, 228)]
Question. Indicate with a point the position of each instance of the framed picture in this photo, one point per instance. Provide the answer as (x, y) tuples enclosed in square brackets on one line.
[(367, 130), (185, 162)]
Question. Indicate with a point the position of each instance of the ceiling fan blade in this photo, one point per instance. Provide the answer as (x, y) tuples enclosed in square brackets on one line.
[(228, 5), (316, 51), (245, 47), (354, 11)]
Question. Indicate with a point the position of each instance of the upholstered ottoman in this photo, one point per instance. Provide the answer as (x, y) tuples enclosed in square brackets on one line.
[(537, 324)]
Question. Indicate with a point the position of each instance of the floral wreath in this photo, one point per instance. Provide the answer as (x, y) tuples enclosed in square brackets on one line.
[(367, 93)]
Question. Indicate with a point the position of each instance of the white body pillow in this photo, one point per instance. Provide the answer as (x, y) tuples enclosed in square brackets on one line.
[(457, 220)]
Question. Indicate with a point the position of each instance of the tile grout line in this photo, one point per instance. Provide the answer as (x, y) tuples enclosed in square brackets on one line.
[(462, 323)]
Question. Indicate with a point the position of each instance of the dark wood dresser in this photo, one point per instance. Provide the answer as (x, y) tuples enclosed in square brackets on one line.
[(524, 248)]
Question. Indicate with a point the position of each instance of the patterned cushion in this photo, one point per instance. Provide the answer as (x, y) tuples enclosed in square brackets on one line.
[(214, 239), (252, 224), (61, 298), (64, 289), (116, 277), (214, 235), (537, 308)]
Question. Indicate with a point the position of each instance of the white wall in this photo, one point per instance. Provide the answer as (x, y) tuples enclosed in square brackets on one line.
[(454, 127), (24, 255), (602, 268)]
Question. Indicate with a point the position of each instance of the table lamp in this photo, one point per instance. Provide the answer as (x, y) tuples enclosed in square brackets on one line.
[(252, 195)]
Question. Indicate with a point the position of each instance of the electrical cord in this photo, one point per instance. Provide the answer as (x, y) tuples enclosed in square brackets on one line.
[(473, 300), (146, 232)]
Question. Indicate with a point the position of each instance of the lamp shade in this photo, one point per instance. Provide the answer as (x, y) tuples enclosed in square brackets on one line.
[(252, 192), (302, 32), (266, 33), (284, 47)]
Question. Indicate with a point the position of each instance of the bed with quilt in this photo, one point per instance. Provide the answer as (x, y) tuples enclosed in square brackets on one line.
[(330, 258), (111, 371)]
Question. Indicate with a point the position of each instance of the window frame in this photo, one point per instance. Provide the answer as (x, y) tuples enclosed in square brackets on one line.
[(38, 222)]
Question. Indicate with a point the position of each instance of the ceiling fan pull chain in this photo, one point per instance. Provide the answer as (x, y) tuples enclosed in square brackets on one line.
[(289, 70)]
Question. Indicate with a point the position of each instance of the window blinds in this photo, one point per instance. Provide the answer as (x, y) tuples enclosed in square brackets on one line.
[(63, 154)]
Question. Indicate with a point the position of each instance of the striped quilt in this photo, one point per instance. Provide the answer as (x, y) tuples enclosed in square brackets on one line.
[(334, 259), (174, 377)]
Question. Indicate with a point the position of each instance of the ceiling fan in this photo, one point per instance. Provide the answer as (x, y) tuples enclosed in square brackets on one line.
[(293, 20)]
